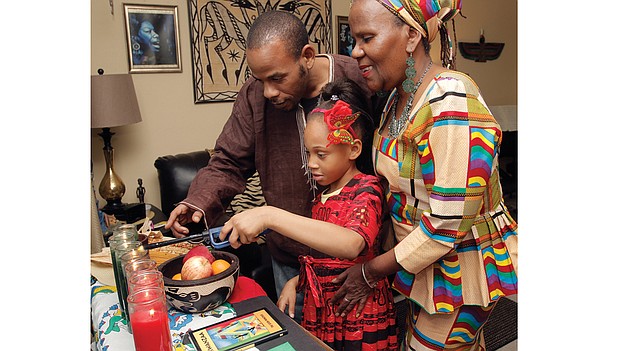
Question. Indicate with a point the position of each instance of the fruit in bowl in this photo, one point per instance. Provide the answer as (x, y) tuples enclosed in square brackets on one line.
[(197, 267), (219, 266), (199, 250), (199, 295)]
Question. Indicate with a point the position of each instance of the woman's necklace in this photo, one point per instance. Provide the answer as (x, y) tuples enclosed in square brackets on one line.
[(397, 124)]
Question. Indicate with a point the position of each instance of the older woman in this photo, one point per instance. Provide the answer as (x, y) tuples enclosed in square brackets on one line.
[(437, 146)]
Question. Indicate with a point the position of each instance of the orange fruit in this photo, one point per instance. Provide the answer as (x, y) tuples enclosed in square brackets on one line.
[(219, 266), (177, 276)]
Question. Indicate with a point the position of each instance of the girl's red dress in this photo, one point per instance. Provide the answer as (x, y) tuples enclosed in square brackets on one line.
[(358, 207)]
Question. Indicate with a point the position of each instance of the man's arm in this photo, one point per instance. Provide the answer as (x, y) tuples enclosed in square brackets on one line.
[(216, 184)]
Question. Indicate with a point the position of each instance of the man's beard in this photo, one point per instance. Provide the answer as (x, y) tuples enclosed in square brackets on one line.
[(301, 78)]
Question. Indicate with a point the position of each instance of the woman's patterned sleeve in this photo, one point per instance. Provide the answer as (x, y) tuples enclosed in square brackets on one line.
[(457, 152)]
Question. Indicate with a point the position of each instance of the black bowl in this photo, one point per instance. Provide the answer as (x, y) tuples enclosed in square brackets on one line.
[(200, 295)]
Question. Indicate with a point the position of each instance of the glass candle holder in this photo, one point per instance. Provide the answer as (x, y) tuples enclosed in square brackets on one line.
[(133, 255), (145, 279), (148, 312), (117, 249), (125, 230), (109, 232), (142, 264)]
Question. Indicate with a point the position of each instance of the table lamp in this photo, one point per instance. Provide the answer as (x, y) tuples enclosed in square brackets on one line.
[(113, 104)]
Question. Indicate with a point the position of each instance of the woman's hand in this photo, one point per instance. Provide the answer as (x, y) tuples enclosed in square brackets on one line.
[(353, 293), (356, 286), (288, 296)]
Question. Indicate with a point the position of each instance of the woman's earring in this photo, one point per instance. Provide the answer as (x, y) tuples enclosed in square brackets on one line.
[(410, 73), (135, 46)]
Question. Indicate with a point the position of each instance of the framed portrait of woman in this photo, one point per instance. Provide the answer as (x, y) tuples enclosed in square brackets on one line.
[(152, 38)]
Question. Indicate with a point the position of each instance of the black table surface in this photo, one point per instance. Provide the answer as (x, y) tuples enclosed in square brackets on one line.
[(299, 338)]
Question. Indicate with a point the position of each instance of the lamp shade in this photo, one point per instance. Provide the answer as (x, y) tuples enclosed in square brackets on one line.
[(113, 101)]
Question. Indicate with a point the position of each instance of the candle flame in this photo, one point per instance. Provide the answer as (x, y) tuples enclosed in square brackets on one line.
[(152, 312)]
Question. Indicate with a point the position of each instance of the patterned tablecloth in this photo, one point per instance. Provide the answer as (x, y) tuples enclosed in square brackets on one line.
[(110, 330)]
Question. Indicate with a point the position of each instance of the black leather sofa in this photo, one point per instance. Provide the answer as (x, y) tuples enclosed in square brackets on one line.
[(175, 173)]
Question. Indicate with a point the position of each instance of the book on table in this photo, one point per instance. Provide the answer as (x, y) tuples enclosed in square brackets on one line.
[(237, 333)]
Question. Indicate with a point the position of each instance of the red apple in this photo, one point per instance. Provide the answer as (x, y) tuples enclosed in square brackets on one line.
[(199, 250), (196, 267)]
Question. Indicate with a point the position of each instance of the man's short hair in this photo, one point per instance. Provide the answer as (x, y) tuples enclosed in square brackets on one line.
[(278, 25)]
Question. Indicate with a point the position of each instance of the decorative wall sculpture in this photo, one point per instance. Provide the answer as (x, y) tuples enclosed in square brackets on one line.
[(481, 51), (218, 31)]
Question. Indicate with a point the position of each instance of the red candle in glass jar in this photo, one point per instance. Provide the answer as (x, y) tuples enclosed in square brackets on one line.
[(149, 320)]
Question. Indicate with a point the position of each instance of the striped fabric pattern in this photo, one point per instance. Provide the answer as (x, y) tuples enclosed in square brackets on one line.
[(357, 207), (446, 202), (502, 279), (251, 197), (418, 12), (414, 14), (447, 284), (389, 147), (426, 161), (399, 211), (483, 152), (457, 331), (427, 342), (467, 324), (403, 282)]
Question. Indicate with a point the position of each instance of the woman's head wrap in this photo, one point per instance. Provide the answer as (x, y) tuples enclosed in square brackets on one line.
[(426, 16)]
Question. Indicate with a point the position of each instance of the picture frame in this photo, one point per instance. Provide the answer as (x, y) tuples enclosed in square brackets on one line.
[(218, 31), (152, 38), (346, 43)]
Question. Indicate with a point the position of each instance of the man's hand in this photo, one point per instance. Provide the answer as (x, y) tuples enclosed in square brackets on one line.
[(179, 216)]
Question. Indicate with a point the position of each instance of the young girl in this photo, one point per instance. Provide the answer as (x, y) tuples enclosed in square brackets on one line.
[(343, 231)]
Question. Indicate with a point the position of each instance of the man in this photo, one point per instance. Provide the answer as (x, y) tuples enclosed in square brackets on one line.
[(265, 133)]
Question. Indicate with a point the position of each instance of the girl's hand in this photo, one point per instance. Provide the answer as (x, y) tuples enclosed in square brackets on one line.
[(288, 296), (245, 227)]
